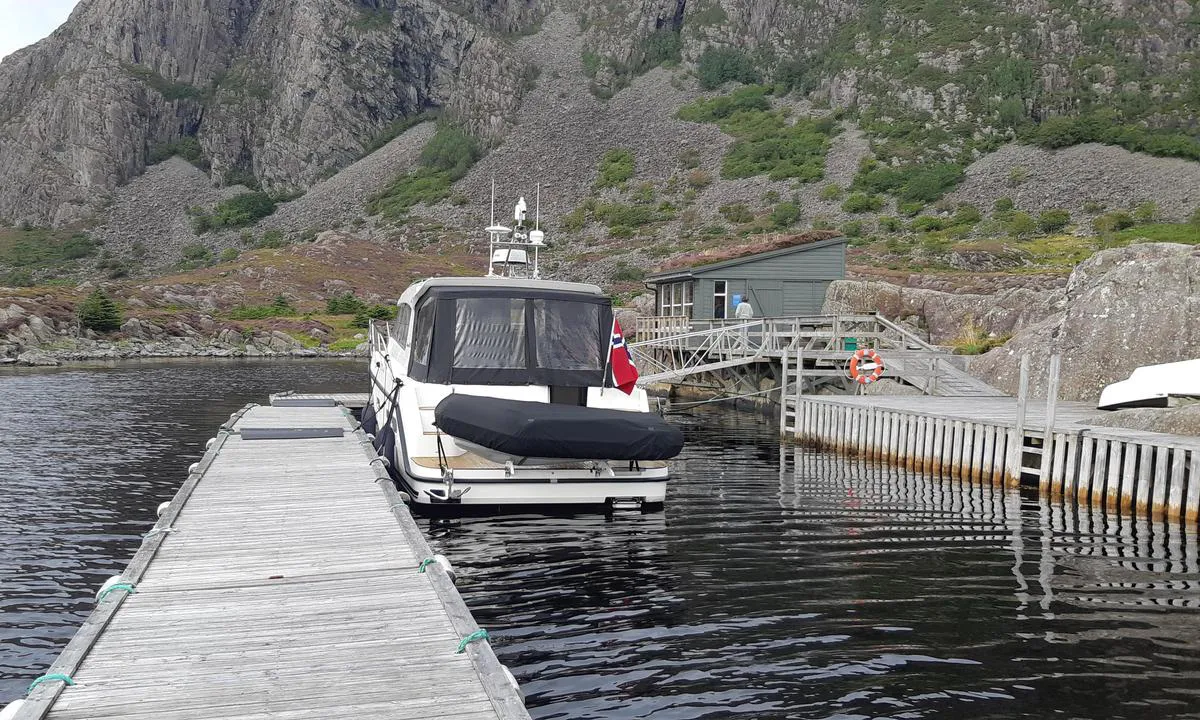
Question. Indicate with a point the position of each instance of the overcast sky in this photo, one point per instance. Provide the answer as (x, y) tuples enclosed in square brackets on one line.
[(24, 22)]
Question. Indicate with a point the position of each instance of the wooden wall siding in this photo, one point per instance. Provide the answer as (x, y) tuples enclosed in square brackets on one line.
[(1118, 474), (799, 281)]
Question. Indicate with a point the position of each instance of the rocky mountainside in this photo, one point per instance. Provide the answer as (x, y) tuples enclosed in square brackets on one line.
[(281, 91), (285, 93)]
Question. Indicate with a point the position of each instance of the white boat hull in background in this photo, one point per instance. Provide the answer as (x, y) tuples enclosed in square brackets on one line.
[(1153, 386)]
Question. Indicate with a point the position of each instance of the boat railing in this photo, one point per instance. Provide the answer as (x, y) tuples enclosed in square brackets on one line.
[(378, 333)]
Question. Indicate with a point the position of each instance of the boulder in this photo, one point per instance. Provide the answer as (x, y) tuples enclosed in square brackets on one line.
[(942, 316), (37, 358), (1123, 308)]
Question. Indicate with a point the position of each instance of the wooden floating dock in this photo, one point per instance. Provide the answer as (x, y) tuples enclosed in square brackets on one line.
[(281, 582), (990, 439)]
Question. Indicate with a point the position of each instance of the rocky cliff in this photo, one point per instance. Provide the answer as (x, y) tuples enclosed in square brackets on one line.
[(285, 93), (277, 92)]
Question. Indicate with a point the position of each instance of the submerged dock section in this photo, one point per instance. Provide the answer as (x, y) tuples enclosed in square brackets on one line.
[(285, 580)]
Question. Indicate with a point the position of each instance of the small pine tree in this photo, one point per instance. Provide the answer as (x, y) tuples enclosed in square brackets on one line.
[(98, 312)]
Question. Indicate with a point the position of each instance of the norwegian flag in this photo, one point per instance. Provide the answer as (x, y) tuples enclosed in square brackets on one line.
[(625, 375)]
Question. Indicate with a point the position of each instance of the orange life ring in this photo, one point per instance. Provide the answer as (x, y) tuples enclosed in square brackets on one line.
[(871, 370)]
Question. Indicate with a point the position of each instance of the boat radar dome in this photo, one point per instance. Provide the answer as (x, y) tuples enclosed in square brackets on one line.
[(520, 211)]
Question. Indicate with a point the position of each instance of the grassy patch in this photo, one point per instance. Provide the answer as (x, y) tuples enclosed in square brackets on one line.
[(918, 183), (42, 247), (616, 167), (240, 211), (769, 142), (280, 307), (448, 156), (1184, 233), (169, 89), (345, 344)]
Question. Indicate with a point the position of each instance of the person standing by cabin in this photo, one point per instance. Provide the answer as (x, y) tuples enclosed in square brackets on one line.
[(743, 310)]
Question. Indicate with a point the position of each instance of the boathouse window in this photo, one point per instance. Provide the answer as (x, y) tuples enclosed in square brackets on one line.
[(489, 333), (720, 299), (566, 335), (675, 300)]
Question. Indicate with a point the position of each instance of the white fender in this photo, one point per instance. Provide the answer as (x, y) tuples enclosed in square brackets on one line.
[(192, 467), (107, 584), (162, 508), (10, 711), (516, 685), (445, 563), (208, 445)]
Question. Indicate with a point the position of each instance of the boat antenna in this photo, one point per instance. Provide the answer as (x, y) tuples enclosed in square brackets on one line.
[(493, 200), (537, 208)]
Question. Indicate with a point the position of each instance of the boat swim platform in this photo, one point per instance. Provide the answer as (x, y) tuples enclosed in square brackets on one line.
[(1000, 439), (286, 579)]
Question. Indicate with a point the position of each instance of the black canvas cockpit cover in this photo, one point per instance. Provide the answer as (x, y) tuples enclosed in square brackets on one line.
[(544, 430)]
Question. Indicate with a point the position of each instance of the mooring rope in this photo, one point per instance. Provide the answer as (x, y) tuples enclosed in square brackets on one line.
[(127, 587), (479, 634), (52, 677), (425, 563)]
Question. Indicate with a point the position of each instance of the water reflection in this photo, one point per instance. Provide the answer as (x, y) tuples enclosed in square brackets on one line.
[(791, 584)]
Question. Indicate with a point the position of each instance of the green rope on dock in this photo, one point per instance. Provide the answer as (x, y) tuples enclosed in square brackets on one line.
[(52, 677), (127, 587), (479, 634), (424, 564)]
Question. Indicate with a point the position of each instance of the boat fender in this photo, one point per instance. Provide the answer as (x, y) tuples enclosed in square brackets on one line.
[(369, 423), (208, 445), (385, 444), (513, 681), (192, 468), (10, 711), (865, 373), (446, 566), (162, 508)]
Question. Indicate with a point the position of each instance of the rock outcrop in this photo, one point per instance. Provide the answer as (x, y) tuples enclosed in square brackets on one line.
[(1122, 309), (943, 316), (285, 91)]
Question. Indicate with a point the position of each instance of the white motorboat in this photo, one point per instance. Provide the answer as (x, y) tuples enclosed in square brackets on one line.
[(498, 391), (1153, 386)]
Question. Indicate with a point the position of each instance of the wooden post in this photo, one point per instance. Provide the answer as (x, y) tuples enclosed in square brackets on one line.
[(783, 394), (1016, 441), (1051, 415)]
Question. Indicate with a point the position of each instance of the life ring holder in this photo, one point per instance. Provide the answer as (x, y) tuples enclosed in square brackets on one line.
[(866, 366)]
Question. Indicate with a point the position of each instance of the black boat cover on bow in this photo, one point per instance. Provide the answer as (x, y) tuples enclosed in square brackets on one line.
[(548, 430)]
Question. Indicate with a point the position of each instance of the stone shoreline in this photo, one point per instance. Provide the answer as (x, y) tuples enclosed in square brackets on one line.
[(83, 349)]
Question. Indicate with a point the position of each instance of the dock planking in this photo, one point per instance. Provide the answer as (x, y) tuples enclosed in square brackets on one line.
[(281, 582)]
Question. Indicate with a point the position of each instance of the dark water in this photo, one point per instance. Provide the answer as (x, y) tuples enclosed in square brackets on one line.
[(805, 586)]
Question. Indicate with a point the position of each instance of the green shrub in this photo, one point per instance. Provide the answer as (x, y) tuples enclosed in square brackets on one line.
[(1053, 220), (920, 182), (1147, 212), (737, 213), (752, 98), (98, 312), (1017, 176), (717, 66), (271, 239), (279, 307), (1003, 205), (853, 229), (974, 339), (785, 215), (344, 304), (1112, 222), (616, 166), (447, 157), (187, 148), (1021, 225), (890, 224), (689, 159), (239, 211), (230, 254), (699, 179), (832, 192), (363, 318), (860, 202), (967, 215), (16, 278), (1091, 207), (928, 223), (1105, 126), (195, 256)]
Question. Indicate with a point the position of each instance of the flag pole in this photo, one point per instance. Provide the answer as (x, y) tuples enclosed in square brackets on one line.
[(612, 330)]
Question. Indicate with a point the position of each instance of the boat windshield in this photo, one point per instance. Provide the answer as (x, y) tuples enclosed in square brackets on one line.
[(492, 338)]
